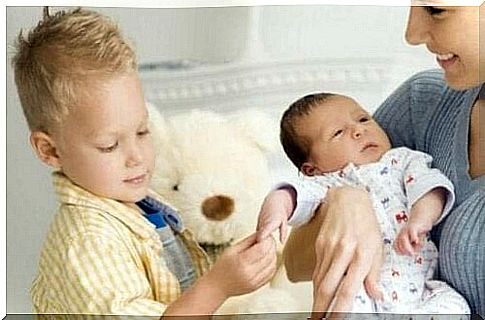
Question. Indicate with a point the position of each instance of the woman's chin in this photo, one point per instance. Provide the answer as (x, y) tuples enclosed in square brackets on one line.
[(459, 83)]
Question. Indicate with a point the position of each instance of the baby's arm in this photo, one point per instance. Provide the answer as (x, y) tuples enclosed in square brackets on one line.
[(277, 207), (430, 197), (284, 205), (424, 213)]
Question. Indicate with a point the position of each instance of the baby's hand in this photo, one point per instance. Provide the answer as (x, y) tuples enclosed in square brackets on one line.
[(274, 213), (411, 237)]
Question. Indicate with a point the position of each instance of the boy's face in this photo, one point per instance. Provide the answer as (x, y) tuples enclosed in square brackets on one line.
[(104, 145), (340, 132)]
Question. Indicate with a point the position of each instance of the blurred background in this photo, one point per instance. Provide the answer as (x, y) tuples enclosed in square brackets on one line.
[(221, 58)]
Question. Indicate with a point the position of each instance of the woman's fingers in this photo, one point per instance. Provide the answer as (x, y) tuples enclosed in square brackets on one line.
[(326, 282), (372, 279), (350, 286)]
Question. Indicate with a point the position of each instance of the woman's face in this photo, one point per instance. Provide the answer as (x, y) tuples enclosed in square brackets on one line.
[(452, 34)]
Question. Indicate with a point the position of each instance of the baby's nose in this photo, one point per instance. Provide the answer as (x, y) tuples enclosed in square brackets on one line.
[(218, 207)]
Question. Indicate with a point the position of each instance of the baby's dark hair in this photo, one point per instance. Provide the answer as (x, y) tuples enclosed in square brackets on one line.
[(297, 147)]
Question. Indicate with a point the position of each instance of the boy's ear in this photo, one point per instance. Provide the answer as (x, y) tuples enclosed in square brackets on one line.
[(309, 169), (45, 148)]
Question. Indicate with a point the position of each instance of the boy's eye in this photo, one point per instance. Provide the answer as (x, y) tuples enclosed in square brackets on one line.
[(143, 132), (108, 149)]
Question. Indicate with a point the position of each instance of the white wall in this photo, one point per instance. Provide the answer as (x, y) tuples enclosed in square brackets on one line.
[(209, 34)]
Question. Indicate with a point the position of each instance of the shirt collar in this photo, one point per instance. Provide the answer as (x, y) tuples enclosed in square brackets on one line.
[(71, 194)]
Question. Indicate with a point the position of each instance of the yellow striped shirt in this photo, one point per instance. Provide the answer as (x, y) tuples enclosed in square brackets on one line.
[(103, 257)]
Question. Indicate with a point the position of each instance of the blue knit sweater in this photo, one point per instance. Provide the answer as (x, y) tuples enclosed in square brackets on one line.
[(426, 115)]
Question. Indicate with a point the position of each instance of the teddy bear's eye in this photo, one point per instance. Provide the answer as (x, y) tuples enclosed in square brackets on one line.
[(175, 187)]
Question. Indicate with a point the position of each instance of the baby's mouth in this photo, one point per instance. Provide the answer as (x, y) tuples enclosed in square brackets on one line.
[(369, 145)]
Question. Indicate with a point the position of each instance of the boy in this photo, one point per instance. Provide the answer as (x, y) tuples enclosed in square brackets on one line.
[(113, 247), (335, 142)]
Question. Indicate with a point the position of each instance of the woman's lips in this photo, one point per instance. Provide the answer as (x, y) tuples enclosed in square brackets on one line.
[(446, 61)]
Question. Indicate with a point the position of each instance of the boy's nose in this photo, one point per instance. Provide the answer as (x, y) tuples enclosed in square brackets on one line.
[(134, 158), (417, 27)]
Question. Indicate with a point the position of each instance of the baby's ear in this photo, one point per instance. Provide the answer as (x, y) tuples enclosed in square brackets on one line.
[(309, 169), (259, 127), (45, 148)]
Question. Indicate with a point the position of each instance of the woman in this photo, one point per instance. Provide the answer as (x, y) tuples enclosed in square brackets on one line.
[(436, 112)]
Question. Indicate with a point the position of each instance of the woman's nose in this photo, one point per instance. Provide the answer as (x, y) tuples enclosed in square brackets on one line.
[(417, 28)]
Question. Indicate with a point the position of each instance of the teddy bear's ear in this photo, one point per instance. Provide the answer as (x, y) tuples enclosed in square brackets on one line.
[(158, 126), (258, 126)]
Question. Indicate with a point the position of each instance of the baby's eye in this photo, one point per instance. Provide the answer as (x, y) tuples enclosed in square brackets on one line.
[(108, 149), (338, 133), (364, 119)]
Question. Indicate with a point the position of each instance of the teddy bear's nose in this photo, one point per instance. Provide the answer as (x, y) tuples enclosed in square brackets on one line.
[(217, 207)]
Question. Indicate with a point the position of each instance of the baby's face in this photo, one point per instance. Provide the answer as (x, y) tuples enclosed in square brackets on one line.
[(104, 145), (340, 132)]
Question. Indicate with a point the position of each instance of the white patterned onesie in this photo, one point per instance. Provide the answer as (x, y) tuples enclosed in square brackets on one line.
[(395, 183)]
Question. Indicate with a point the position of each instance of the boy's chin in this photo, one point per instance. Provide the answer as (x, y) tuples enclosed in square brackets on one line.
[(134, 197)]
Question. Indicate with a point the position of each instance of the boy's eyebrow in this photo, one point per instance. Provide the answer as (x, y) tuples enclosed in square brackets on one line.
[(95, 134)]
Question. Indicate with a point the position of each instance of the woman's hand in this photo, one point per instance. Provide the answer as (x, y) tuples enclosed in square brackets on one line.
[(348, 250)]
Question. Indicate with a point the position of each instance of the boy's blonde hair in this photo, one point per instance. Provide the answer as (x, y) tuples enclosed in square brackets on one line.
[(62, 59)]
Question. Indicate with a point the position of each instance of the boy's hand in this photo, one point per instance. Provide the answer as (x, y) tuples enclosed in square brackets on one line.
[(410, 239), (244, 267), (277, 207)]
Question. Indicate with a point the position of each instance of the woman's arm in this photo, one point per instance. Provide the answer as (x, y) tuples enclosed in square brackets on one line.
[(343, 238)]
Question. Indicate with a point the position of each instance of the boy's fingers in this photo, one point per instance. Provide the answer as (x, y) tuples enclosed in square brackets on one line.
[(267, 268), (246, 243), (258, 251)]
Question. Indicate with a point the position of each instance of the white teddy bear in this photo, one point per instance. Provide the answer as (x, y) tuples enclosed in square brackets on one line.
[(214, 170)]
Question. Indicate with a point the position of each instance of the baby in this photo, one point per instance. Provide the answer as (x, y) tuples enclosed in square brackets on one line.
[(335, 142), (113, 246)]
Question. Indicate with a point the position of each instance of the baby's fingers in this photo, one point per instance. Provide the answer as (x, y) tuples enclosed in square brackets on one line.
[(267, 228), (283, 232), (413, 235)]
